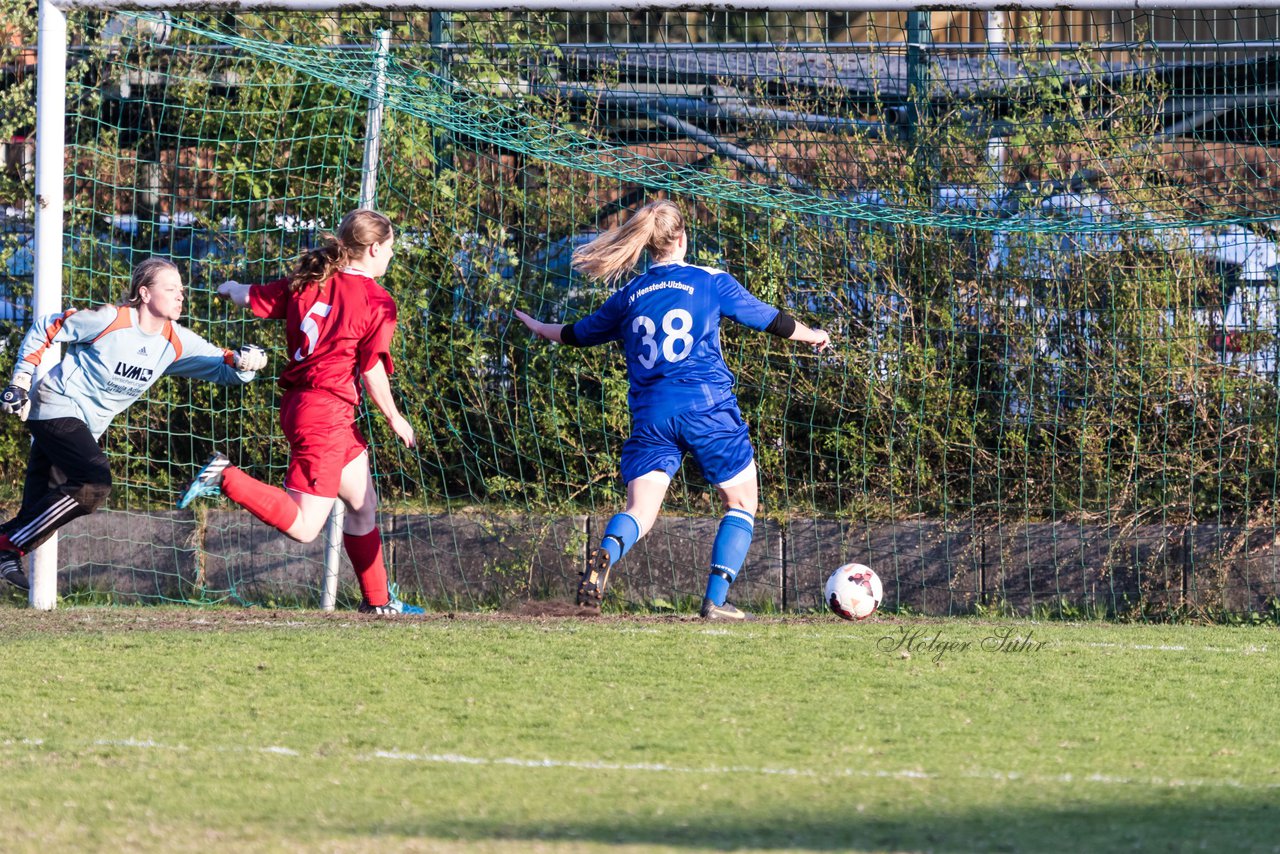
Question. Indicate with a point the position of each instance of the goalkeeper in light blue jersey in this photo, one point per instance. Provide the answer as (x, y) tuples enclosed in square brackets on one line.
[(681, 397), (114, 353)]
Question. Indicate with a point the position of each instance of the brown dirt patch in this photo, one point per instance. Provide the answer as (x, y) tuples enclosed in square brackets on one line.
[(551, 608)]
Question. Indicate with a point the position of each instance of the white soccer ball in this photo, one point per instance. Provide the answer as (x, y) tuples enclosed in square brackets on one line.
[(854, 591)]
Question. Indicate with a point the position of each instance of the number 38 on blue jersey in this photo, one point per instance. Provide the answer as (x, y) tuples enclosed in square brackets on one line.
[(668, 320)]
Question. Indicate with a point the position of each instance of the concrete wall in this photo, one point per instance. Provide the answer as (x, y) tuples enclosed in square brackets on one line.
[(472, 560)]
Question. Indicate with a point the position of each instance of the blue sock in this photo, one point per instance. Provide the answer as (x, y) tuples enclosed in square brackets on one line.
[(729, 552), (620, 535)]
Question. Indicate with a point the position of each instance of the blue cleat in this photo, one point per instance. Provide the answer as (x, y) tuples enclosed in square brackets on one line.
[(208, 482), (394, 606)]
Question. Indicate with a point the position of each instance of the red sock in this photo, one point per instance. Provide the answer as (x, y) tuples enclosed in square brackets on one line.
[(270, 504), (7, 546), (365, 551)]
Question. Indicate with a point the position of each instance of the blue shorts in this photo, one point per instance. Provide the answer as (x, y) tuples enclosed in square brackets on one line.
[(717, 439)]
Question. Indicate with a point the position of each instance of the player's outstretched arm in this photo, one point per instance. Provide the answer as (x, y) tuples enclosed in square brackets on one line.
[(201, 360), (378, 387), (236, 292), (550, 331), (817, 337)]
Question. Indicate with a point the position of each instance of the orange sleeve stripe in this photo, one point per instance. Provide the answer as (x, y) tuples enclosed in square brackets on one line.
[(50, 331), (122, 321), (174, 340)]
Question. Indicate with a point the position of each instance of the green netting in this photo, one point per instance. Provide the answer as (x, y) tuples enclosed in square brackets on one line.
[(1099, 109), (1049, 263)]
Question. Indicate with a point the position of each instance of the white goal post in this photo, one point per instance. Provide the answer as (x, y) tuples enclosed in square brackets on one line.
[(51, 106)]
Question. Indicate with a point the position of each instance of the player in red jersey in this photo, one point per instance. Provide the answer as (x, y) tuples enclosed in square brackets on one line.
[(338, 327)]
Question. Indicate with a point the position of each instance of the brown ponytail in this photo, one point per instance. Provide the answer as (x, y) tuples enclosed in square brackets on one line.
[(657, 227), (358, 230)]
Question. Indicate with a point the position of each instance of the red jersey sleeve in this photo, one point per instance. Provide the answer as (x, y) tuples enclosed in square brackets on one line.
[(270, 301), (375, 344)]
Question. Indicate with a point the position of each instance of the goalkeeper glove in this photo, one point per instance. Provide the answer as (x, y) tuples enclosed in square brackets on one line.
[(250, 357), (13, 399)]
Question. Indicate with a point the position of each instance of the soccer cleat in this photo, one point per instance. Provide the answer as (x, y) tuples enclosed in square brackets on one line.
[(394, 606), (11, 570), (208, 482), (594, 578), (712, 611)]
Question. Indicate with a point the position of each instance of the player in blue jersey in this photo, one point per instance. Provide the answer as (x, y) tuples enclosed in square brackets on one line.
[(681, 397), (114, 353)]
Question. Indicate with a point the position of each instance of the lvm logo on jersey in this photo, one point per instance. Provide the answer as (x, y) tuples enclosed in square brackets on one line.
[(133, 372)]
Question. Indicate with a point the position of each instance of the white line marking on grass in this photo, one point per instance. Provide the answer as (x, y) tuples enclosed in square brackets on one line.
[(1244, 650), (711, 770), (1000, 776), (599, 765), (133, 742)]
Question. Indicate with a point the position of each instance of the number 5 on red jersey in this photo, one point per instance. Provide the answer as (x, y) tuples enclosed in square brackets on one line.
[(311, 329)]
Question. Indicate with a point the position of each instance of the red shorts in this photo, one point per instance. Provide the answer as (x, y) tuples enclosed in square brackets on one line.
[(323, 438)]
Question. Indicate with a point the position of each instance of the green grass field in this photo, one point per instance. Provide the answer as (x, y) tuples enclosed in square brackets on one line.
[(167, 729)]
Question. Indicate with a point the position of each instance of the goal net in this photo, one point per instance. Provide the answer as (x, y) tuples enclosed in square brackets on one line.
[(1044, 243)]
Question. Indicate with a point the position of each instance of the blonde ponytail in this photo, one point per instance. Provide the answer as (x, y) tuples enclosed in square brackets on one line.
[(358, 229), (657, 227)]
